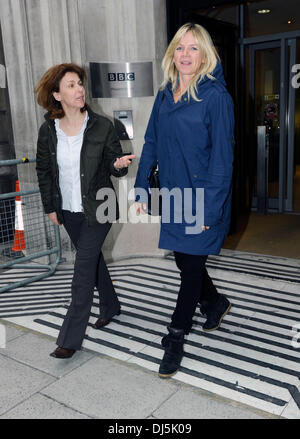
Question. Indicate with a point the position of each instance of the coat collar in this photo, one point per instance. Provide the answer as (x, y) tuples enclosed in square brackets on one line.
[(91, 120), (167, 91), (93, 117)]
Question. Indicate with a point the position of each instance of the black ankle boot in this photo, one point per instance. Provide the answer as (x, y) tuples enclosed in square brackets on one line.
[(216, 314), (173, 344)]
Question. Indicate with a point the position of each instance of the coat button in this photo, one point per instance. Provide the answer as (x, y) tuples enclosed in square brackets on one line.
[(82, 175), (195, 176)]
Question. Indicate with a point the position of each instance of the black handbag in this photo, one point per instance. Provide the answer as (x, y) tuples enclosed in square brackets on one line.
[(154, 207)]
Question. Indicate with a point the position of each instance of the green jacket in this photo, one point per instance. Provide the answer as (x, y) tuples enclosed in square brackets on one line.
[(99, 150)]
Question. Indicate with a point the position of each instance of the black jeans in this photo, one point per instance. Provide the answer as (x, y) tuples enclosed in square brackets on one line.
[(89, 271), (196, 287)]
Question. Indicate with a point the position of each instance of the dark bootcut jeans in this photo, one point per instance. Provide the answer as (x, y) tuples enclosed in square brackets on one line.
[(196, 287), (89, 271)]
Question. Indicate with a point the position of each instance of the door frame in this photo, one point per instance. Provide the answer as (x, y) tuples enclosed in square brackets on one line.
[(284, 202), (178, 12)]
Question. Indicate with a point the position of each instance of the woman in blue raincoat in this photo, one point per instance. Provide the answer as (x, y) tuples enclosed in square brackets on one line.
[(190, 136)]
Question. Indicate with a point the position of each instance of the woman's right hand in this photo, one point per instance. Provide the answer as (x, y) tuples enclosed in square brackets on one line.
[(53, 218)]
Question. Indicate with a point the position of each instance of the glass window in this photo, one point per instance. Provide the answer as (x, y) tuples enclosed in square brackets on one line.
[(225, 13), (3, 128), (271, 17), (296, 204)]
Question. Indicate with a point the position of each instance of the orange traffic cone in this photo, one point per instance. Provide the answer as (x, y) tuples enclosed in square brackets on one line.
[(19, 239)]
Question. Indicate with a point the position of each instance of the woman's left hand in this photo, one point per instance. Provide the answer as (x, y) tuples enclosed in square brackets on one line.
[(141, 208), (205, 228), (123, 162)]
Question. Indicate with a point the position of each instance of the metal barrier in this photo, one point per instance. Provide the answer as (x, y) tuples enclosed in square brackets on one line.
[(26, 233)]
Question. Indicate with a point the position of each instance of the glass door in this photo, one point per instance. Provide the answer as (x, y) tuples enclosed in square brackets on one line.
[(273, 105)]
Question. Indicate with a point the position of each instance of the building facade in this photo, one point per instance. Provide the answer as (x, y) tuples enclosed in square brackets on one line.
[(259, 44), (40, 33)]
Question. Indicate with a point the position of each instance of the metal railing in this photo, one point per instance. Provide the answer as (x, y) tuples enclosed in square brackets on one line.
[(26, 233)]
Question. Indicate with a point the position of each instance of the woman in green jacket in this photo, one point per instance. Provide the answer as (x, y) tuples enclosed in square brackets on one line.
[(77, 151)]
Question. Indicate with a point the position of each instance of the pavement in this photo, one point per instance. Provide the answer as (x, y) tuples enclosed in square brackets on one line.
[(94, 386), (248, 369)]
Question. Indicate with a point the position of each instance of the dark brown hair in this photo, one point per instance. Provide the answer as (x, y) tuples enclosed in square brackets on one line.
[(49, 84)]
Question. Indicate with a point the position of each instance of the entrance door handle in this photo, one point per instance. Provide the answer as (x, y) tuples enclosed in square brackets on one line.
[(262, 169)]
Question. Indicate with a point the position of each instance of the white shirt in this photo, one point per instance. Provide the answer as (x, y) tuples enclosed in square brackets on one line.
[(68, 159)]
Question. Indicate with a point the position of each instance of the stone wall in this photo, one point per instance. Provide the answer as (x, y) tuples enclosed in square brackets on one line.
[(40, 33)]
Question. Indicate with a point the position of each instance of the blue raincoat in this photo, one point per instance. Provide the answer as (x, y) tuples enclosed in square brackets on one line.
[(192, 142)]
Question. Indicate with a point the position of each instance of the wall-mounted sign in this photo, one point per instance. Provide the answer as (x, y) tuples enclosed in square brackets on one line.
[(121, 80), (271, 97)]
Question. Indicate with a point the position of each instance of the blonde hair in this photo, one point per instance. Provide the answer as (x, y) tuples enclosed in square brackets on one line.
[(208, 51)]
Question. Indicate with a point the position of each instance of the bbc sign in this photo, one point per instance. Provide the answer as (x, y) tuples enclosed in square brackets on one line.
[(121, 76), (121, 80)]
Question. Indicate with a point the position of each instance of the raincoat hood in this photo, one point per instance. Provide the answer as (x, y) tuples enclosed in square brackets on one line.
[(217, 73)]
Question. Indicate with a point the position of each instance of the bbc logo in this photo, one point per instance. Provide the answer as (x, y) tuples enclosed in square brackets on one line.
[(121, 76)]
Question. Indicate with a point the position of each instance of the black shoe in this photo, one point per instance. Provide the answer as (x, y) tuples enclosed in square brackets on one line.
[(216, 315), (173, 344), (205, 305), (62, 353), (103, 322)]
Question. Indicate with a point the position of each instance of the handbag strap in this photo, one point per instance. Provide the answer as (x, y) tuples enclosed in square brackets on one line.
[(162, 97)]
